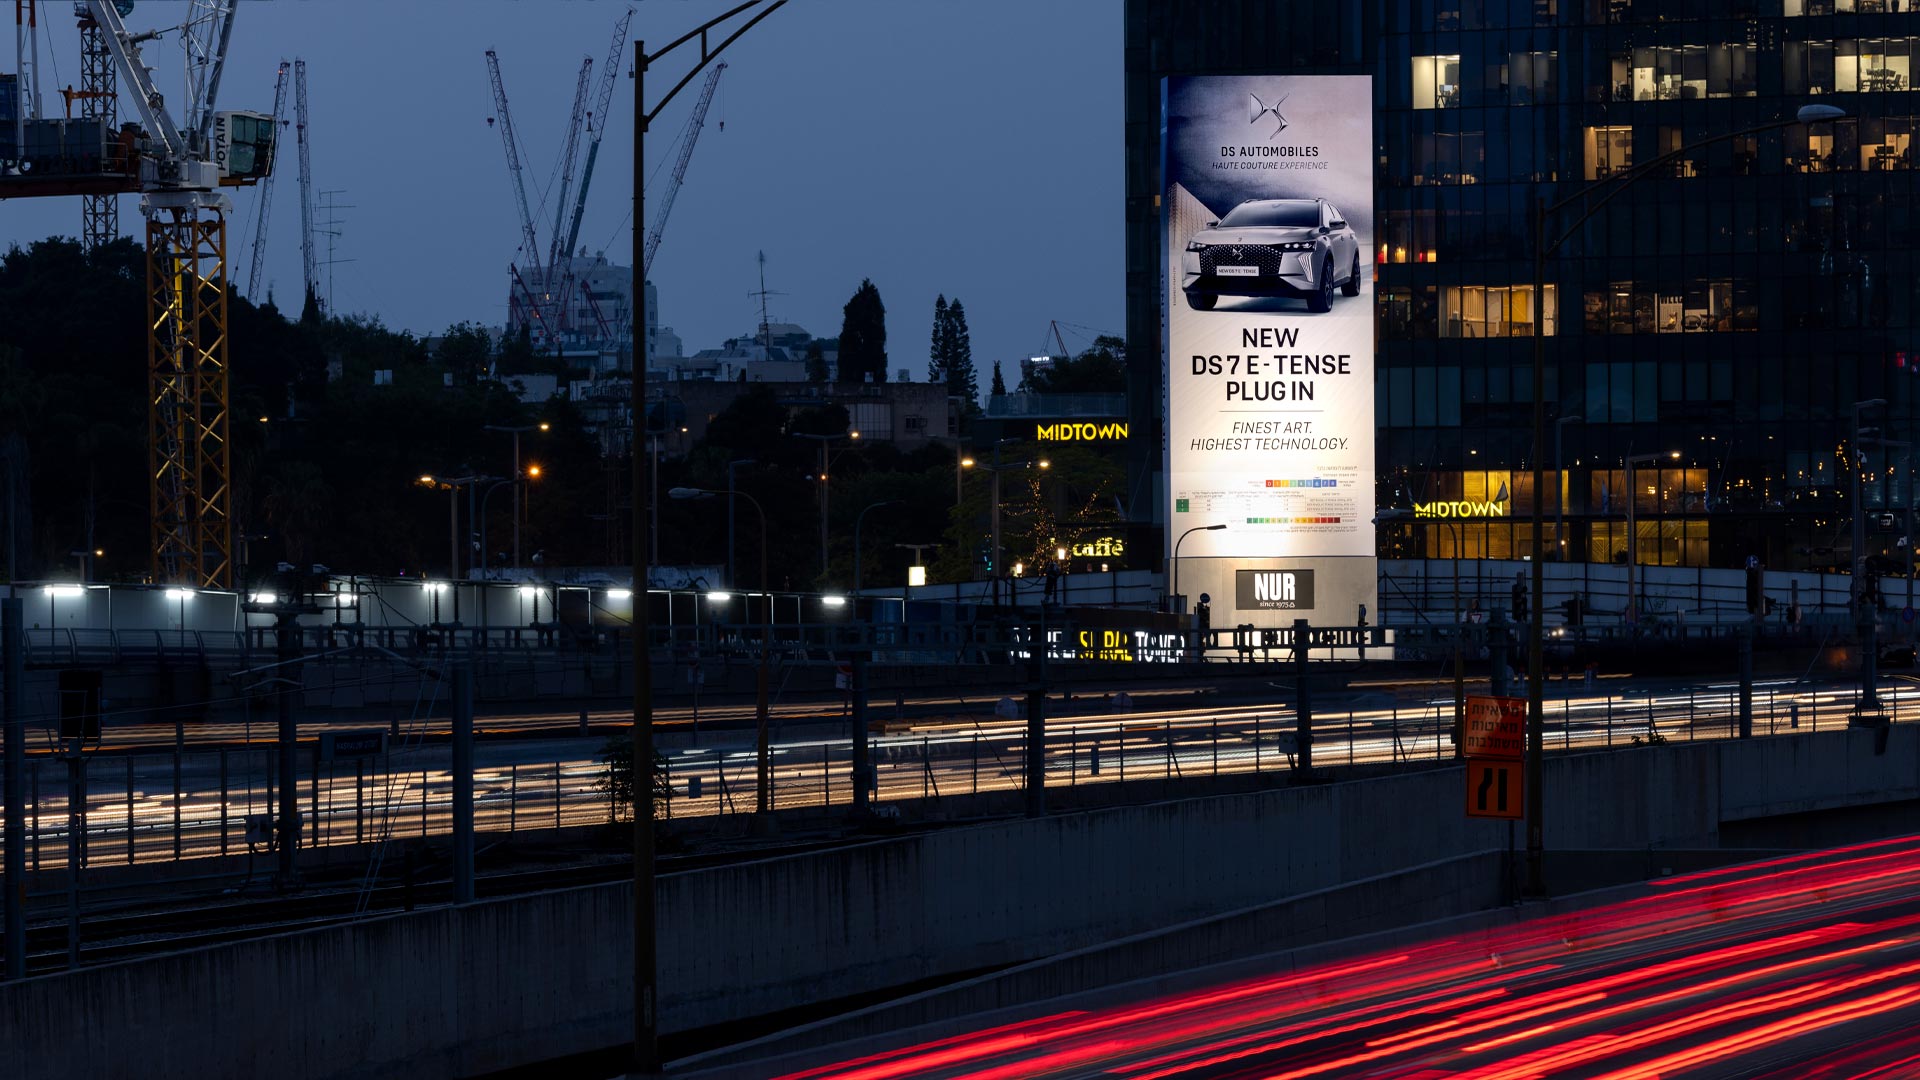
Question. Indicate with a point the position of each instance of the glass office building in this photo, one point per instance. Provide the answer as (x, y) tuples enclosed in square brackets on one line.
[(1713, 325)]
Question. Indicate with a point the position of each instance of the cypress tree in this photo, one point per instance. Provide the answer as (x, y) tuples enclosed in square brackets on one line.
[(942, 347), (863, 336), (961, 381)]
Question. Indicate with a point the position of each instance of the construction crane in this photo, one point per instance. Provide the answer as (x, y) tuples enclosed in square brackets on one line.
[(597, 125), (179, 169), (568, 156), (263, 212), (688, 137), (309, 262), (99, 96), (529, 242), (26, 58)]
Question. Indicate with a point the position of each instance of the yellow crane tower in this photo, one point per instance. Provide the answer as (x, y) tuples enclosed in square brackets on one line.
[(179, 170)]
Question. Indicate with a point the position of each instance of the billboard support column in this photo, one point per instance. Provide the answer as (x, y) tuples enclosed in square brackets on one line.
[(1303, 699)]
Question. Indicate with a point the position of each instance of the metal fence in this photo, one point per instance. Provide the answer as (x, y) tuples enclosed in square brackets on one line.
[(142, 808)]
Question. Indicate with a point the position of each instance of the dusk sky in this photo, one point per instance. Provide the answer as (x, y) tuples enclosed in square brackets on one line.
[(965, 147)]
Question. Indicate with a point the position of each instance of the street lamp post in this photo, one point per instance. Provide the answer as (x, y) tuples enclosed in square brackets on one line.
[(453, 484), (857, 522), (484, 497), (1612, 186), (1174, 590), (824, 441), (763, 798), (541, 426), (733, 579), (1560, 493), (646, 976)]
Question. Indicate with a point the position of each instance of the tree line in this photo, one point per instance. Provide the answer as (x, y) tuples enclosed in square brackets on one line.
[(326, 454)]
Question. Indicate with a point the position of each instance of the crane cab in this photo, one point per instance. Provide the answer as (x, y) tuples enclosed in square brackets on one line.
[(243, 144)]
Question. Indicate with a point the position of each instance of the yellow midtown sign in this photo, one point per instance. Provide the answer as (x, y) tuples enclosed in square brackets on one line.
[(1459, 509), (1080, 432)]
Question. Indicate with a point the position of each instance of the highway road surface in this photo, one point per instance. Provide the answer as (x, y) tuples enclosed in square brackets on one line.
[(1800, 968)]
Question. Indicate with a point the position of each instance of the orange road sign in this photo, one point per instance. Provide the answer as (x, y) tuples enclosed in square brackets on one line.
[(1495, 788), (1496, 727)]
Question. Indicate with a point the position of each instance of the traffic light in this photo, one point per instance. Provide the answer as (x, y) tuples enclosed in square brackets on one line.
[(1756, 588), (1570, 608)]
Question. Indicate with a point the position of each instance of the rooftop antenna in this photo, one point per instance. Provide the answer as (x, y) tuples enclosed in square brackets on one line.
[(766, 327)]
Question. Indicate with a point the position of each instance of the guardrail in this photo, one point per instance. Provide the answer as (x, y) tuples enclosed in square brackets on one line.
[(183, 805)]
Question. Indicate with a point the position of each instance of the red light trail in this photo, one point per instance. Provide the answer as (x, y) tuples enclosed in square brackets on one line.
[(1804, 967)]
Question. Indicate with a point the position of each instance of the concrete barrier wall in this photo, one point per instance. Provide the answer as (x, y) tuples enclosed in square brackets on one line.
[(451, 992)]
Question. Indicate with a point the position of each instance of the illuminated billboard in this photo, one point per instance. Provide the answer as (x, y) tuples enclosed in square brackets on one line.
[(1268, 209)]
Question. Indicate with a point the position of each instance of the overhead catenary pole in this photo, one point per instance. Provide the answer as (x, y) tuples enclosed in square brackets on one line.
[(645, 1059), (12, 652), (287, 832), (645, 1056), (462, 784)]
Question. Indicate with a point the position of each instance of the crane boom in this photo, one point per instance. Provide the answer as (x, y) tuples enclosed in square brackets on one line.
[(568, 157), (309, 262), (687, 139), (597, 124), (530, 244), (171, 155), (266, 189), (208, 30)]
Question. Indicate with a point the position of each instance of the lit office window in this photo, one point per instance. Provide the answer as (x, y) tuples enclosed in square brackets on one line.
[(1492, 311), (1865, 7), (1871, 65), (1609, 150), (1436, 82), (1887, 144), (1696, 307), (1406, 236)]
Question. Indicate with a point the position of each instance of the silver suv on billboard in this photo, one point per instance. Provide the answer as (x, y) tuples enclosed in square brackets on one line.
[(1298, 248)]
